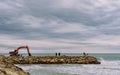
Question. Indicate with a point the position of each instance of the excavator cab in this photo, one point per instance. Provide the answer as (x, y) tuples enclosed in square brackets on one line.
[(15, 52)]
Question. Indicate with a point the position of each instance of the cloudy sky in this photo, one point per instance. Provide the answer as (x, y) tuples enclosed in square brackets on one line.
[(60, 25)]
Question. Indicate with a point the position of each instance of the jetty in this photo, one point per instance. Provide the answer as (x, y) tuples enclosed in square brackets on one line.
[(51, 60), (58, 59), (7, 66)]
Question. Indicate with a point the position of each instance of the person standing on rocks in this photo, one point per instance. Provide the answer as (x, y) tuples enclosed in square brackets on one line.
[(59, 54), (84, 54), (55, 54)]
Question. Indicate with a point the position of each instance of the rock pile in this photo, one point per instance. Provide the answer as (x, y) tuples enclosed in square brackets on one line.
[(52, 60), (9, 68)]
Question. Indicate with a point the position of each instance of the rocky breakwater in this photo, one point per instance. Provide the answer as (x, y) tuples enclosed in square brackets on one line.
[(9, 68), (52, 60)]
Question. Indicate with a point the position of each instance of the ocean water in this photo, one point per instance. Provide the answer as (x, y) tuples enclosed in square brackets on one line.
[(110, 65)]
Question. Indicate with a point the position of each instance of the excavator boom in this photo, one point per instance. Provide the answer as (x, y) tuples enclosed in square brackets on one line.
[(15, 52)]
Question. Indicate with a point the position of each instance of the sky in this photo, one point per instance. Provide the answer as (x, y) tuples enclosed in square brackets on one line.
[(67, 26)]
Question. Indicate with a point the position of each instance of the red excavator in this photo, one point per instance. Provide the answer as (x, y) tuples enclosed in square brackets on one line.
[(15, 52)]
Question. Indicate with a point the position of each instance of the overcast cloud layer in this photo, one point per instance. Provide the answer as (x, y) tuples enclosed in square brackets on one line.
[(60, 25)]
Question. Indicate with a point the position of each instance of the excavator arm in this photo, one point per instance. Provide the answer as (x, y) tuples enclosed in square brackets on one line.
[(15, 52)]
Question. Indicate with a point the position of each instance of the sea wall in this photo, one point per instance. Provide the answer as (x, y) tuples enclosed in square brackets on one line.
[(52, 60)]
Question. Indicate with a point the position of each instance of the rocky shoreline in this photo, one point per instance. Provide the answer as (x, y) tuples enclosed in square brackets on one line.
[(7, 66)]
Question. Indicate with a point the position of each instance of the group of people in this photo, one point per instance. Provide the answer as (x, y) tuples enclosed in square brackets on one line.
[(57, 54)]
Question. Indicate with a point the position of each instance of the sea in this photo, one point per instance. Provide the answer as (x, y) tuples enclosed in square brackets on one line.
[(110, 65)]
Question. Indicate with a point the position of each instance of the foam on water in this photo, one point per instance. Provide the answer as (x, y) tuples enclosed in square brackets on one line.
[(105, 68), (110, 65)]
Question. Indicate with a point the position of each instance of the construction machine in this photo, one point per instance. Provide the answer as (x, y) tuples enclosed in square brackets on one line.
[(15, 52)]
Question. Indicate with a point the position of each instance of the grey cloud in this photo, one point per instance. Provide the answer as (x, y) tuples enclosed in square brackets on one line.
[(52, 10), (38, 19)]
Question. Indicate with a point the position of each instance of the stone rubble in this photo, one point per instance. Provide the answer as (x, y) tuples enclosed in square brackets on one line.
[(52, 60), (7, 66)]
